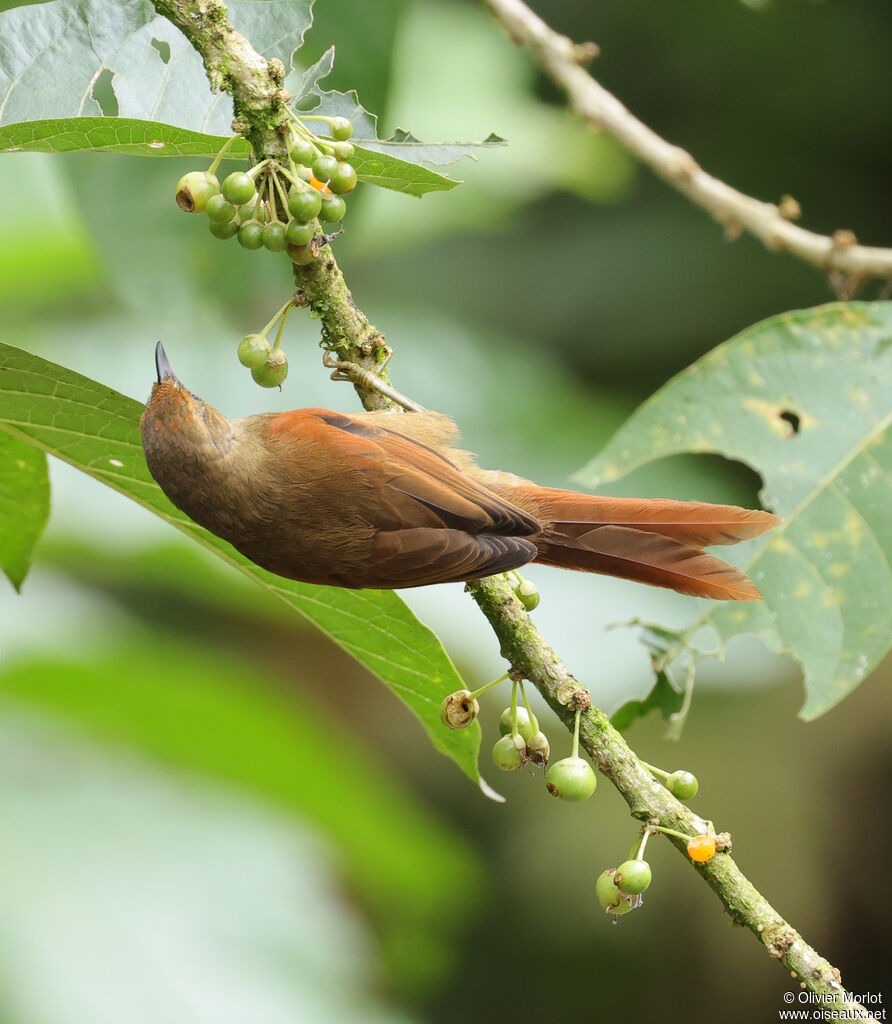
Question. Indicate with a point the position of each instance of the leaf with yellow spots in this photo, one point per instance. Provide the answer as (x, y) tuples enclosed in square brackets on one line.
[(805, 399)]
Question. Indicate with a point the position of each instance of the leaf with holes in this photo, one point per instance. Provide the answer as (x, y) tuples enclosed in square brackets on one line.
[(164, 106), (401, 148), (24, 505), (55, 57), (805, 399), (96, 430)]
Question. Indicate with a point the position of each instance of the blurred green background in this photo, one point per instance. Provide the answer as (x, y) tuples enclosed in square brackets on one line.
[(211, 814)]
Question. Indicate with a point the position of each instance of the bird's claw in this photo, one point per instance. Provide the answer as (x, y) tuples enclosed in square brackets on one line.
[(345, 370), (371, 379)]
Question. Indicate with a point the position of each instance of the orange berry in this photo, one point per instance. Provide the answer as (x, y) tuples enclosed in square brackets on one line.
[(320, 186), (701, 848)]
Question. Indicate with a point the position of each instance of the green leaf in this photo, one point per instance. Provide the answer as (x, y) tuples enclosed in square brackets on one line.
[(275, 28), (24, 505), (665, 646), (217, 717), (310, 98), (805, 399), (386, 171), (663, 697), (54, 57), (96, 430), (209, 905), (408, 147), (114, 135), (151, 138)]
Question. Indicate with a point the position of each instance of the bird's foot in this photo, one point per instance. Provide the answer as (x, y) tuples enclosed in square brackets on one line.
[(362, 377)]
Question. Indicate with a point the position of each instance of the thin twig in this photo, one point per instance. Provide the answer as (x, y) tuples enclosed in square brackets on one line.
[(349, 337), (562, 61)]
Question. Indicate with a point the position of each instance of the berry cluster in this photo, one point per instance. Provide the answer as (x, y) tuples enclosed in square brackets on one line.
[(521, 738), (268, 363), (523, 742), (279, 204), (619, 890)]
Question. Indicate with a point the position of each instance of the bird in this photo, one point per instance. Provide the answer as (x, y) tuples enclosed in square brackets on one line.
[(384, 501)]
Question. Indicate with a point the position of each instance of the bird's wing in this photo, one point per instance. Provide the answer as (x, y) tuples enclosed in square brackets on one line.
[(431, 522)]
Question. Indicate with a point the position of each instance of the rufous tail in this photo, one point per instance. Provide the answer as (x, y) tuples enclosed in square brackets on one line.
[(654, 541)]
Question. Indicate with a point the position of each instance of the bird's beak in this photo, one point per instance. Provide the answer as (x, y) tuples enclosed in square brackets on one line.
[(163, 366)]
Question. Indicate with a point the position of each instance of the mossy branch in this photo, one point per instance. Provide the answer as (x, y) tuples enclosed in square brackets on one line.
[(234, 66), (349, 336), (255, 84)]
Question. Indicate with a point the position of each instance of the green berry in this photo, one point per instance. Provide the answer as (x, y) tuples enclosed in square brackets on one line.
[(683, 785), (195, 189), (304, 204), (524, 725), (303, 151), (343, 150), (274, 237), (633, 876), (606, 890), (528, 594), (271, 373), (253, 350), (219, 210), (459, 709), (538, 748), (509, 753), (324, 167), (250, 235), (226, 229), (610, 898), (571, 778), (302, 255), (333, 209), (253, 211), (343, 180), (297, 233), (238, 188), (341, 128), (303, 171)]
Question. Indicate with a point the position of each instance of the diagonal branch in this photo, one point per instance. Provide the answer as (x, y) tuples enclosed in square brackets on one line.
[(563, 61), (360, 350)]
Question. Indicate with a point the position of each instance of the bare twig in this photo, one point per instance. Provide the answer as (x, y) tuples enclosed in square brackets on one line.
[(562, 61)]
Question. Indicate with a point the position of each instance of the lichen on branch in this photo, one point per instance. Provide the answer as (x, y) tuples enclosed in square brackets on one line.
[(347, 333)]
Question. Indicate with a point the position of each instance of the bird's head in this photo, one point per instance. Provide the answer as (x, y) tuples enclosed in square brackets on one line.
[(177, 425)]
